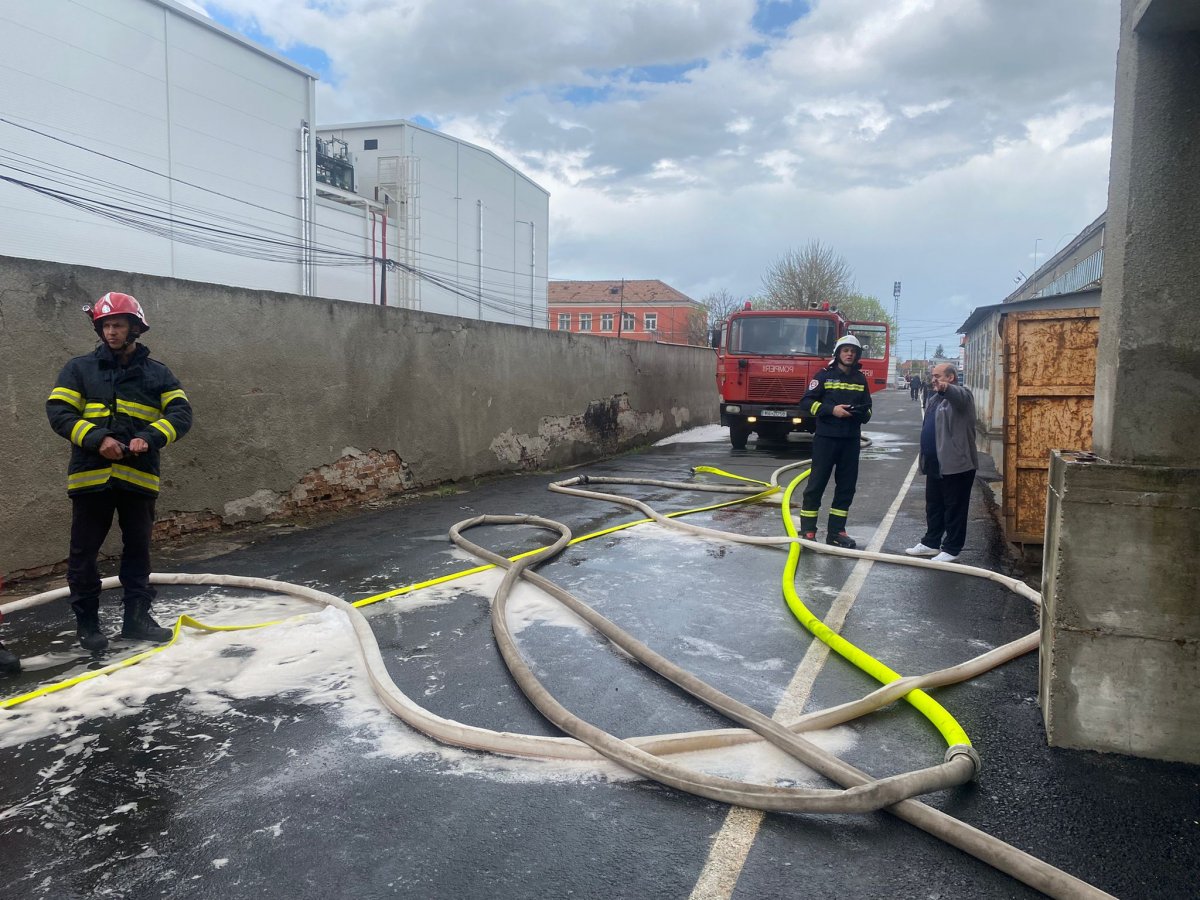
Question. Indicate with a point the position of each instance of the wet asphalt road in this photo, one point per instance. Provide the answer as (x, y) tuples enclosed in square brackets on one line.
[(257, 765)]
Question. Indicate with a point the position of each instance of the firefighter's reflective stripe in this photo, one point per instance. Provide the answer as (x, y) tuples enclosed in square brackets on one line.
[(135, 476), (844, 386), (68, 396), (82, 427), (95, 411), (165, 427), (90, 478), (839, 512), (138, 410), (816, 407), (168, 396), (809, 513)]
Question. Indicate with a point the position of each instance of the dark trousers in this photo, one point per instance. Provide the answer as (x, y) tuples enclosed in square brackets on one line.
[(91, 519), (947, 498), (837, 457)]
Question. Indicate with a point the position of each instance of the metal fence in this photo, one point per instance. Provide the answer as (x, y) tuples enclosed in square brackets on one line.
[(1079, 276)]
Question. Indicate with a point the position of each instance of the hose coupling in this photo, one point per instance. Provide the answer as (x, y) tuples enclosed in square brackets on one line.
[(581, 479), (970, 753)]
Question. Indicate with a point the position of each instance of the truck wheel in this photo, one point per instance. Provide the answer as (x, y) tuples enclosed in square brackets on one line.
[(738, 435)]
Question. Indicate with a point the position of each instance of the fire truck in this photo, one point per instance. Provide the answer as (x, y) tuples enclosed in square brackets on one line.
[(766, 358)]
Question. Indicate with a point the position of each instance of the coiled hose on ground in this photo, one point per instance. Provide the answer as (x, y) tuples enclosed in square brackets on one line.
[(645, 754)]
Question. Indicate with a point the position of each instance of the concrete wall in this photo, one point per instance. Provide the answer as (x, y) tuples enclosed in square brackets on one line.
[(1121, 634), (1120, 651), (302, 403), (1150, 330)]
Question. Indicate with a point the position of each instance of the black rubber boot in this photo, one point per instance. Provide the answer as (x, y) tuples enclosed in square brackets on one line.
[(841, 539), (9, 664), (139, 626), (91, 638)]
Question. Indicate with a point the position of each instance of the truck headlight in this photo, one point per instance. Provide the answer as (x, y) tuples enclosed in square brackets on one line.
[(733, 408)]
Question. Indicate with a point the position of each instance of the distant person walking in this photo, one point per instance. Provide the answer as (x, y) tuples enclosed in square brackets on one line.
[(914, 385), (948, 461), (118, 408)]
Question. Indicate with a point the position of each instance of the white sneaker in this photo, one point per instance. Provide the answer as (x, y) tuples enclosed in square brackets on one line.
[(922, 550), (945, 557)]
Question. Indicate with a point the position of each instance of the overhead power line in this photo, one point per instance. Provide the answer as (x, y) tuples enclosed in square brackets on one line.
[(503, 297)]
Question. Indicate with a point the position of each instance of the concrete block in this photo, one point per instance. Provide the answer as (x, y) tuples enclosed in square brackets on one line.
[(1120, 652)]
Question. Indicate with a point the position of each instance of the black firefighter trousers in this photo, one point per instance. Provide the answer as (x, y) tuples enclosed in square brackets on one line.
[(91, 519), (835, 456)]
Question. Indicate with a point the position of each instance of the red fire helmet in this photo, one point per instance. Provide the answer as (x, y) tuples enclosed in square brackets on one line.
[(117, 304)]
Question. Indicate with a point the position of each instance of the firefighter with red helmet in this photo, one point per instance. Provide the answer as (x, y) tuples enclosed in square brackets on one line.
[(119, 408)]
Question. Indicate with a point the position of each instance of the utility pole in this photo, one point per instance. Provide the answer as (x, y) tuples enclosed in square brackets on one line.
[(621, 312), (895, 348)]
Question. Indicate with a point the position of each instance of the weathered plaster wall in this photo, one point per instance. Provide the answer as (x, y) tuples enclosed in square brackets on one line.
[(304, 403)]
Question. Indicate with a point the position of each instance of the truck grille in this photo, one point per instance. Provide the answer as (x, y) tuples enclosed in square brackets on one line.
[(776, 390)]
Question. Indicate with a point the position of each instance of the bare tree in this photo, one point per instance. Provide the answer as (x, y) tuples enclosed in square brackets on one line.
[(697, 328), (801, 278), (720, 304)]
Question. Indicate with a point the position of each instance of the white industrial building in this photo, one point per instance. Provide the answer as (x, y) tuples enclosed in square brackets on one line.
[(473, 229), (138, 135)]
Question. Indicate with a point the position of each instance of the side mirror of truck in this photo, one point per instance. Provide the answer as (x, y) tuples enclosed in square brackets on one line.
[(714, 338)]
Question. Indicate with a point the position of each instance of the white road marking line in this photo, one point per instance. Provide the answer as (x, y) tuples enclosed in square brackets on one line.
[(732, 844)]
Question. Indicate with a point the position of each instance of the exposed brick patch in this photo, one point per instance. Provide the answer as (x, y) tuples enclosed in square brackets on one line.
[(178, 524), (354, 478), (36, 572)]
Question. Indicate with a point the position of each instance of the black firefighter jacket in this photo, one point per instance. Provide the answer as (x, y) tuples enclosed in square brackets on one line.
[(95, 397), (830, 388)]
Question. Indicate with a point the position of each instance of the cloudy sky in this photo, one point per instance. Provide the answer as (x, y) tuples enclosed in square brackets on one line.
[(939, 143)]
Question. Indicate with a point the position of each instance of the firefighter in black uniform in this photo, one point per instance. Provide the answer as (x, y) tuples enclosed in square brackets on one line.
[(118, 408), (840, 400)]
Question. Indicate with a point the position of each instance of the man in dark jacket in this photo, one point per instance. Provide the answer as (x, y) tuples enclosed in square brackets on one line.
[(840, 400), (948, 460), (118, 408)]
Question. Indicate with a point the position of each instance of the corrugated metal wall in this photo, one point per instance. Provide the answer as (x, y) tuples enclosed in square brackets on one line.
[(143, 107), (480, 229)]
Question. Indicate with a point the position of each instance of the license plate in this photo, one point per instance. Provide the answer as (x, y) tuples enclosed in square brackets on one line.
[(782, 413)]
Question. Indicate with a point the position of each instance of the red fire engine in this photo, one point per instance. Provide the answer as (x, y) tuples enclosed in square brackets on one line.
[(766, 358)]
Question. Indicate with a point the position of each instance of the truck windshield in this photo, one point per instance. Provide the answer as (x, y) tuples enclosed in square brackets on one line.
[(783, 335)]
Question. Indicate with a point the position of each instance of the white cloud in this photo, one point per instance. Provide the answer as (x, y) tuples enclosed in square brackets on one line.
[(929, 141)]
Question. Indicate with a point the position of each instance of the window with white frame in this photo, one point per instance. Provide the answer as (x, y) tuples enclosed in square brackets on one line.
[(651, 321), (585, 321), (628, 322), (564, 321), (606, 321)]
